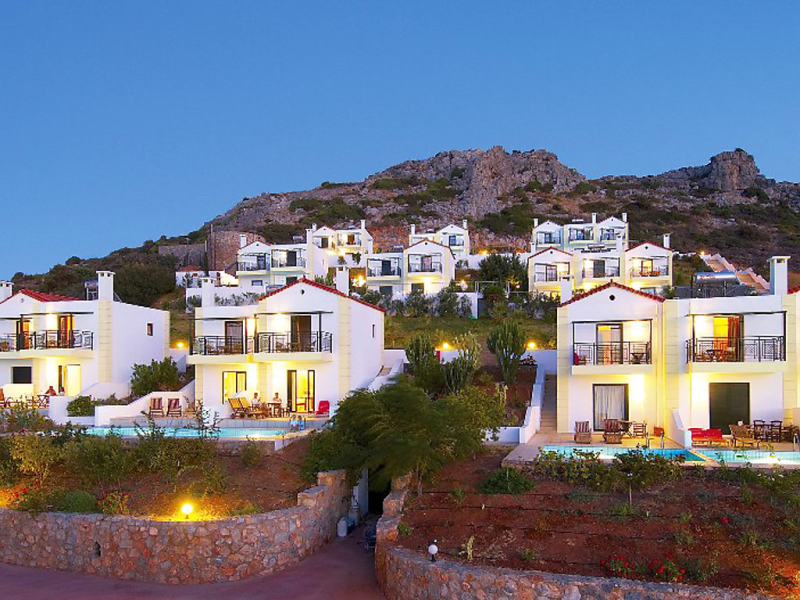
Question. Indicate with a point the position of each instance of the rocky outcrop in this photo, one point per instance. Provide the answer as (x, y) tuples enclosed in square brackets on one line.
[(727, 172)]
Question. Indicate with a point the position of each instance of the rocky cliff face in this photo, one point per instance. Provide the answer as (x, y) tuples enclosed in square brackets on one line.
[(725, 172)]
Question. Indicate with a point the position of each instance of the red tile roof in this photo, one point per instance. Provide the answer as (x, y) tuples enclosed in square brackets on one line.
[(652, 244), (322, 287), (549, 249), (794, 290), (426, 240), (616, 285), (41, 296)]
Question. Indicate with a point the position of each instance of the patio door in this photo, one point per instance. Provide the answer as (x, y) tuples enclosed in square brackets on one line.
[(234, 337), (301, 390), (386, 267), (23, 331), (291, 258), (69, 380), (610, 402), (66, 324), (609, 343), (233, 382), (728, 403), (550, 273), (301, 333)]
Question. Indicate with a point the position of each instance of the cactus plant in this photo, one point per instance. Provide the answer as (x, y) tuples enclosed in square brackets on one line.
[(507, 343)]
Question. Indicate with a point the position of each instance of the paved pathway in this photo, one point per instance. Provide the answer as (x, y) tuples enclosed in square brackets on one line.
[(340, 571)]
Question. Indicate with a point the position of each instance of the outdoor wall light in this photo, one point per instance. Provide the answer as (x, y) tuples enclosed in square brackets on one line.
[(187, 509), (433, 550)]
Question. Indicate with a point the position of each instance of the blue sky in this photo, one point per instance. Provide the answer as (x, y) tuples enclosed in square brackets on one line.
[(120, 122)]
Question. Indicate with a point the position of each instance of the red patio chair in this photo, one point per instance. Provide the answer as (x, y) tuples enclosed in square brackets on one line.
[(174, 407), (156, 407), (324, 409)]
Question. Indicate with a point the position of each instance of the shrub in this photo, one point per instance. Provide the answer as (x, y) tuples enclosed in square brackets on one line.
[(157, 376), (9, 471), (447, 303), (21, 418), (97, 459), (82, 406), (33, 500), (35, 455), (251, 454), (77, 501), (113, 503), (504, 269), (619, 566), (418, 304), (666, 570), (171, 457), (507, 481), (528, 555)]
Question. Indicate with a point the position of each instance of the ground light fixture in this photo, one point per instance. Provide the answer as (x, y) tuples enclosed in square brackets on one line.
[(433, 550), (187, 509), (531, 345)]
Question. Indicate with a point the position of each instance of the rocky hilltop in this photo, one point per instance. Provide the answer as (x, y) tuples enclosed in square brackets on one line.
[(725, 205)]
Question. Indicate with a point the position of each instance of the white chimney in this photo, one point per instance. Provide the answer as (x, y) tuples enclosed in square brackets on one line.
[(6, 290), (363, 223), (206, 292), (779, 275), (535, 223), (566, 289), (313, 227), (594, 218), (342, 280), (105, 285), (624, 217), (413, 229), (464, 224), (667, 237)]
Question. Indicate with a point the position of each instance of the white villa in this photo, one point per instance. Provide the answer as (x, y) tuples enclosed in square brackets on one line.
[(75, 346), (454, 237), (305, 342), (426, 266), (679, 363), (609, 234), (344, 242)]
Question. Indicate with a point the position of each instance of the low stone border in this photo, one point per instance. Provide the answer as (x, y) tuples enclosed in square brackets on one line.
[(406, 575), (177, 551)]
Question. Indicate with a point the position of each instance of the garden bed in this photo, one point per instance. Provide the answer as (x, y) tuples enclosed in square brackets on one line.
[(518, 395), (718, 528)]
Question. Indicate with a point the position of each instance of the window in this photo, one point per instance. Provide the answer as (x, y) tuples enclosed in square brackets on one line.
[(323, 242), (386, 291), (257, 283), (373, 330), (21, 374), (233, 382), (418, 288), (290, 280), (150, 329)]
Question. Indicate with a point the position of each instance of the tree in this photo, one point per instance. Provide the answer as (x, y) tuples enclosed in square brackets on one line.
[(507, 342), (142, 284), (156, 377), (447, 302), (504, 269), (421, 355)]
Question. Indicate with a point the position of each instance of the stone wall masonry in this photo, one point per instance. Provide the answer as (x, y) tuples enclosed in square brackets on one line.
[(175, 551), (406, 575)]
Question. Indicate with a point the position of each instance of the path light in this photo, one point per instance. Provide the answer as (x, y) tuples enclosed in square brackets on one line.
[(433, 550), (531, 345), (445, 346), (187, 509)]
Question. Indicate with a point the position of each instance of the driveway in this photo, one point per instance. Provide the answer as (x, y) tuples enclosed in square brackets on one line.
[(340, 570)]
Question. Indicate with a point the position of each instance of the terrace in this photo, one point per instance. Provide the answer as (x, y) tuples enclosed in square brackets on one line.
[(737, 338), (253, 262), (47, 340), (424, 263), (269, 342)]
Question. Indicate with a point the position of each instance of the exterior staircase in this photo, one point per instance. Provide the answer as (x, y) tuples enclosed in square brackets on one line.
[(747, 277), (548, 422)]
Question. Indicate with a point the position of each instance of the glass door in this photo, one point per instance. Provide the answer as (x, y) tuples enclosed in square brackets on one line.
[(301, 391), (66, 324), (609, 344), (23, 334), (610, 402), (234, 337), (598, 268), (233, 382), (301, 333)]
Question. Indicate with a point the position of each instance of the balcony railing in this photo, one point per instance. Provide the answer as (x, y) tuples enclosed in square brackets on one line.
[(278, 263), (742, 349), (548, 239), (647, 272), (435, 267), (260, 265), (218, 345), (612, 353), (590, 273), (381, 272), (581, 236), (550, 276), (304, 341), (45, 340)]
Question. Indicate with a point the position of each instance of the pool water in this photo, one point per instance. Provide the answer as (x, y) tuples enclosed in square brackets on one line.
[(608, 453), (754, 457), (239, 433)]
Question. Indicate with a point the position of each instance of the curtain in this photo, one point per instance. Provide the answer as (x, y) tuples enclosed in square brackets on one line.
[(609, 403)]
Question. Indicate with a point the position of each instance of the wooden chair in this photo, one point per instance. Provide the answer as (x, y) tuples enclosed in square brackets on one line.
[(742, 435), (583, 433), (174, 407), (759, 429), (775, 432), (612, 432), (238, 408), (156, 407), (638, 430)]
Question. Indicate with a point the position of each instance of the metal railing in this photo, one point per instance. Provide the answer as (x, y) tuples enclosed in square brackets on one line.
[(546, 240), (591, 273), (217, 345), (742, 349), (581, 236), (558, 276), (45, 340), (654, 272), (612, 353), (304, 341), (435, 267), (380, 272), (259, 265), (278, 263)]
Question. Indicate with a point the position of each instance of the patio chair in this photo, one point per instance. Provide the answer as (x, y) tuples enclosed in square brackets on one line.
[(583, 433), (759, 429), (156, 407), (174, 407), (612, 432), (324, 409), (775, 433), (638, 430), (238, 408), (741, 434)]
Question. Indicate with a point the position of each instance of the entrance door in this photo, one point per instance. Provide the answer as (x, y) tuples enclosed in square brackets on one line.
[(728, 404), (233, 382), (301, 390), (550, 273), (301, 333), (609, 343), (234, 337), (69, 380), (610, 402)]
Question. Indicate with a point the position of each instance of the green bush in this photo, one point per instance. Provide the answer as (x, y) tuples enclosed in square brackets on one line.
[(170, 456), (504, 269), (157, 376), (251, 454), (97, 459), (35, 455), (9, 470), (142, 284), (21, 418), (506, 481), (77, 501), (305, 204), (82, 406), (393, 183)]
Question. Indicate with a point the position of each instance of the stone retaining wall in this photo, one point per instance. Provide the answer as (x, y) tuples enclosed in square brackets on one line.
[(406, 575), (174, 551)]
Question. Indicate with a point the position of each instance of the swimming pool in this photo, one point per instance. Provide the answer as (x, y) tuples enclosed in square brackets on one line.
[(238, 433), (608, 452), (754, 457)]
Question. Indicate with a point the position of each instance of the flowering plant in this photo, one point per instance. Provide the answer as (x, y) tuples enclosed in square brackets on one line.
[(114, 503), (619, 566), (666, 570)]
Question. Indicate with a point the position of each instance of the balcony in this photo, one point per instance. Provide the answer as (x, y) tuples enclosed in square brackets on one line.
[(736, 350), (591, 273), (612, 353), (650, 272), (47, 340), (281, 263), (219, 345), (581, 236), (304, 341), (546, 240), (550, 277), (260, 265), (435, 267), (381, 272)]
